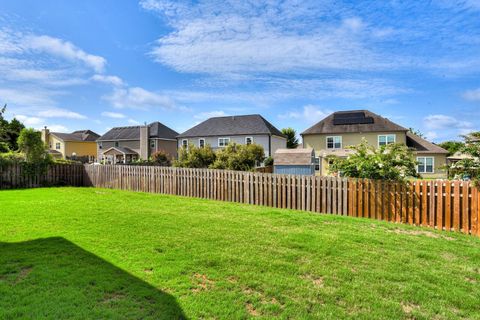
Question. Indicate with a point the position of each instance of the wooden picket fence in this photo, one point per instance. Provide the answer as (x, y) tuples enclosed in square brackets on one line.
[(15, 176), (320, 194), (440, 204)]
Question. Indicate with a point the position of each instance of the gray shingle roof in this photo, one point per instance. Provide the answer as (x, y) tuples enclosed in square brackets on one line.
[(79, 136), (232, 125), (376, 123), (157, 130), (423, 146)]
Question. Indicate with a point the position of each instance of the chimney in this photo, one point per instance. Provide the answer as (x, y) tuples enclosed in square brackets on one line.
[(144, 134), (45, 135)]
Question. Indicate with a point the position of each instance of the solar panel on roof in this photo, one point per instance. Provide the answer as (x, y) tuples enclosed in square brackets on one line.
[(351, 118)]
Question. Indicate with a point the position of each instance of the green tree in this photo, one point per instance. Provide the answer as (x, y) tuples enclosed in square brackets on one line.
[(13, 132), (195, 157), (416, 132), (391, 162), (239, 157), (31, 144), (292, 140), (452, 146)]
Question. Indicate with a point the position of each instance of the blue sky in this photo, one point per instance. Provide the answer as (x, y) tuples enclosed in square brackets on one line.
[(99, 64)]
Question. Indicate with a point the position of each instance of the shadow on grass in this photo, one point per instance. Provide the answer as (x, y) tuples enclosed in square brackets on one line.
[(55, 279)]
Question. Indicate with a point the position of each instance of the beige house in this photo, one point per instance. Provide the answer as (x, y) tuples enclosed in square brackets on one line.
[(335, 133), (127, 144), (78, 145)]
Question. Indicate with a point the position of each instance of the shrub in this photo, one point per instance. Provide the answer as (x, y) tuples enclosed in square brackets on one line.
[(239, 157), (31, 144), (4, 148), (161, 158), (391, 162), (268, 161), (195, 157)]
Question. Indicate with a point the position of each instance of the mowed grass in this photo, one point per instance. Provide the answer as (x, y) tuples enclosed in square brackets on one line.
[(96, 253)]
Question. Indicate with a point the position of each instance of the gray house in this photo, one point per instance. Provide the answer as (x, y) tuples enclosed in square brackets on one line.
[(126, 144), (218, 132)]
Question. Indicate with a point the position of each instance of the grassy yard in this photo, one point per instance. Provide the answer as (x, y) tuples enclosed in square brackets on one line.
[(95, 253)]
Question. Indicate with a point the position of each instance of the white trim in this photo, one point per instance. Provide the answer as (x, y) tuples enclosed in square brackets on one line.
[(251, 138), (386, 138), (223, 138), (199, 145), (326, 142), (183, 145), (425, 165)]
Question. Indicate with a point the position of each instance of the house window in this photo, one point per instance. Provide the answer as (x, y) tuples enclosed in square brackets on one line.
[(116, 143), (317, 164), (201, 142), (152, 144), (185, 143), (223, 142), (100, 145), (57, 145), (385, 139), (334, 142), (425, 165), (248, 140)]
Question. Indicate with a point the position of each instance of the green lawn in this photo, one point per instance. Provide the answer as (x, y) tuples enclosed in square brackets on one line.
[(96, 253)]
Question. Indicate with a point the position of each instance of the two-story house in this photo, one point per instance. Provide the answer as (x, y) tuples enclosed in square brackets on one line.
[(127, 144), (335, 133), (218, 132), (78, 145)]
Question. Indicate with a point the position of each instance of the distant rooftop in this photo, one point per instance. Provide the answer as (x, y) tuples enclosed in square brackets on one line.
[(79, 136), (232, 125), (353, 121), (156, 130)]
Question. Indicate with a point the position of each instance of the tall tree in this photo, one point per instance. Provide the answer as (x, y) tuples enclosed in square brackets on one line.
[(9, 131), (31, 144), (452, 146), (292, 140)]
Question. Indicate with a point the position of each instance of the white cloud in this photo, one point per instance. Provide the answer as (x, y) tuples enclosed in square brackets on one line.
[(309, 114), (441, 121), (133, 122), (61, 113), (30, 121), (64, 49), (56, 128), (113, 80), (210, 114), (114, 115), (472, 95), (139, 98)]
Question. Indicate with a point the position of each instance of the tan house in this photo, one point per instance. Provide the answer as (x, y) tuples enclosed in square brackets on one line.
[(335, 133), (127, 144), (78, 145)]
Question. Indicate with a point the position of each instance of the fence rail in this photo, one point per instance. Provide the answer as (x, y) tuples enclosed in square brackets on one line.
[(440, 204), (18, 176)]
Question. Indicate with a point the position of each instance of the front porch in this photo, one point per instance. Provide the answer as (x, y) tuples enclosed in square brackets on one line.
[(119, 155)]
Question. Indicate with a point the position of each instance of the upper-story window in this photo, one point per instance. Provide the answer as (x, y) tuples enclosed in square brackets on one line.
[(100, 145), (116, 144), (425, 164), (385, 139), (153, 144), (334, 142), (201, 142), (57, 145), (223, 142), (185, 143), (248, 140)]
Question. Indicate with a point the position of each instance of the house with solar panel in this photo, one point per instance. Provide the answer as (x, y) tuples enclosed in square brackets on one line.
[(78, 145), (123, 145), (218, 132), (333, 135)]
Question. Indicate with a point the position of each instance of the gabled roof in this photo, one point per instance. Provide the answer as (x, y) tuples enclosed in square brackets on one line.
[(423, 146), (156, 130), (77, 136), (232, 125), (353, 121), (123, 150)]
